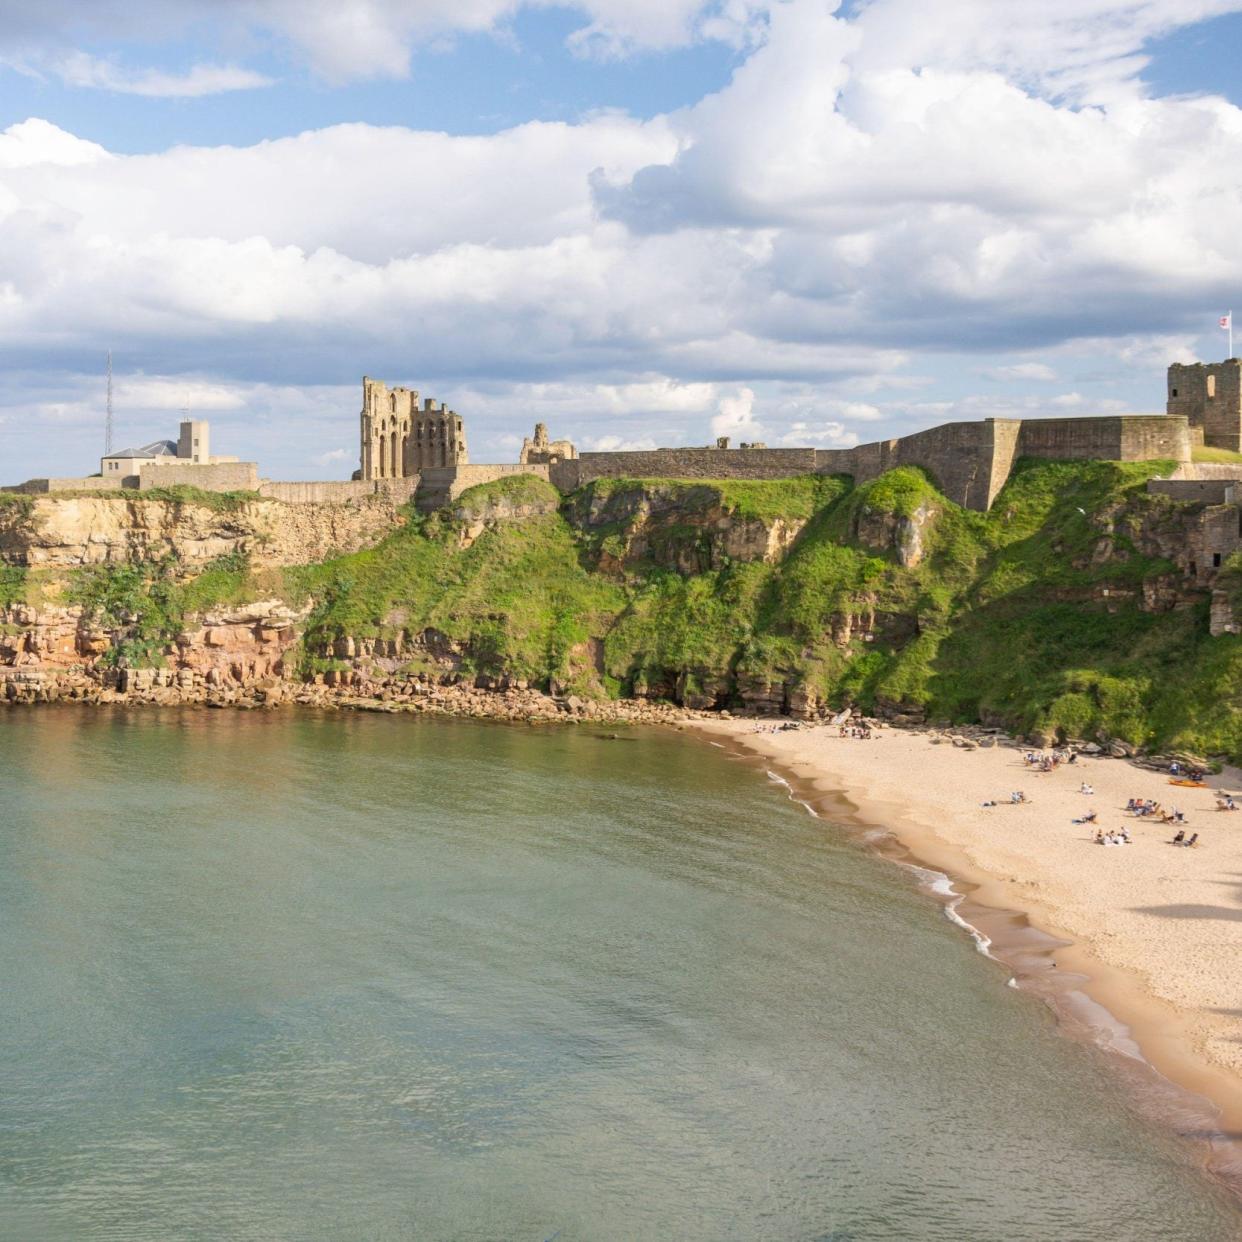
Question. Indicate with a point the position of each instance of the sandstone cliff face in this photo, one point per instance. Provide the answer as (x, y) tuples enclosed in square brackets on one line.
[(64, 533), (654, 522), (475, 517), (903, 535)]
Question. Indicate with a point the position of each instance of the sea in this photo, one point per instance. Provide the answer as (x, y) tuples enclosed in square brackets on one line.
[(279, 975)]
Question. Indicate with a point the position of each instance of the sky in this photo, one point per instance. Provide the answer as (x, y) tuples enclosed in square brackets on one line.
[(643, 222)]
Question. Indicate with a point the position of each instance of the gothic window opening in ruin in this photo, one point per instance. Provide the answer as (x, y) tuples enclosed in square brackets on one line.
[(405, 441), (383, 458), (1175, 392), (393, 458), (1215, 560), (1211, 385)]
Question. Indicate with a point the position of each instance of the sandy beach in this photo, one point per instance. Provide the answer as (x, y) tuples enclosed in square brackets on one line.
[(1155, 930)]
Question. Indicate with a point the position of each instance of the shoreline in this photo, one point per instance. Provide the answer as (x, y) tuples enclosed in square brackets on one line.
[(1167, 1052)]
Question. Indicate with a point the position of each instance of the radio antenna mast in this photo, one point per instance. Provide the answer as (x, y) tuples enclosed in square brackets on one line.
[(108, 417)]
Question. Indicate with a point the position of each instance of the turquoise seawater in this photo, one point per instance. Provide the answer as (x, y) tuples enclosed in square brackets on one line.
[(359, 977)]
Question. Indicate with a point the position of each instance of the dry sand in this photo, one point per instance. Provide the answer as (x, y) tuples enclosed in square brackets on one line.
[(1156, 929)]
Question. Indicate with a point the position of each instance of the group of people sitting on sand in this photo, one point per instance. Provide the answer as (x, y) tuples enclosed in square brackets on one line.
[(1226, 802), (862, 732), (1016, 798), (1051, 761), (1182, 839), (1120, 837), (1147, 808)]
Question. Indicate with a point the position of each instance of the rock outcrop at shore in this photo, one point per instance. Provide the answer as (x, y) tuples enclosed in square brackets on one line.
[(1078, 607)]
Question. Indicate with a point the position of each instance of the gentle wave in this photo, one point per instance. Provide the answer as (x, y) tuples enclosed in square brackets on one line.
[(940, 884), (789, 789)]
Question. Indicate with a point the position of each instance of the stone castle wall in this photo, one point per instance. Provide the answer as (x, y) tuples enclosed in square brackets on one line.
[(91, 483), (970, 462), (442, 485), (339, 493), (687, 463), (238, 476)]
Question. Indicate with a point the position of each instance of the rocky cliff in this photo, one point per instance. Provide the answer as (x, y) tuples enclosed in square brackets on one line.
[(1081, 605), (64, 532)]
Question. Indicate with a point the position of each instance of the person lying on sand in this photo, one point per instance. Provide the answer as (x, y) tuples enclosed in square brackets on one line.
[(1088, 818), (1226, 803)]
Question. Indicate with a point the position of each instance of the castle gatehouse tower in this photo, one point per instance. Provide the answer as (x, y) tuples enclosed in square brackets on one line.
[(1209, 394)]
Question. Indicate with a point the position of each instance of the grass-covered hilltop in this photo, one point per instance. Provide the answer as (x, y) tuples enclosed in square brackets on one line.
[(1073, 608)]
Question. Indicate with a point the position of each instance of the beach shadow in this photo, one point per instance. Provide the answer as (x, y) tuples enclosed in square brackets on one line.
[(1230, 914)]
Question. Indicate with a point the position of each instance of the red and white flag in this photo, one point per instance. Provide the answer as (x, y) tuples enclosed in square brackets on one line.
[(1226, 321)]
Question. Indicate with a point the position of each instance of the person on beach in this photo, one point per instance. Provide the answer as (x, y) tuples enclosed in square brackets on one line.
[(1181, 836), (1084, 788)]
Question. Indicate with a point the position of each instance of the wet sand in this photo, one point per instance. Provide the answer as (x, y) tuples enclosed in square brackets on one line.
[(1137, 947)]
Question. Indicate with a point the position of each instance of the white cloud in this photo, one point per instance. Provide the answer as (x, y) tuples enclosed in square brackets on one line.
[(35, 141), (866, 196), (81, 69), (351, 39), (1022, 371), (824, 435), (154, 392), (737, 416)]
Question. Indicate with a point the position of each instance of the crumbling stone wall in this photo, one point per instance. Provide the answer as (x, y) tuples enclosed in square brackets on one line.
[(400, 437), (539, 450)]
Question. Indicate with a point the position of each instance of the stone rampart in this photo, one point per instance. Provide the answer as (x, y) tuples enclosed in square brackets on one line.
[(970, 462), (240, 476), (1205, 491), (1125, 437), (685, 463), (339, 492), (441, 485), (92, 483)]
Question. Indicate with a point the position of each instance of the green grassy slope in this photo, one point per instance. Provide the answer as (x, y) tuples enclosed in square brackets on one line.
[(1030, 615)]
